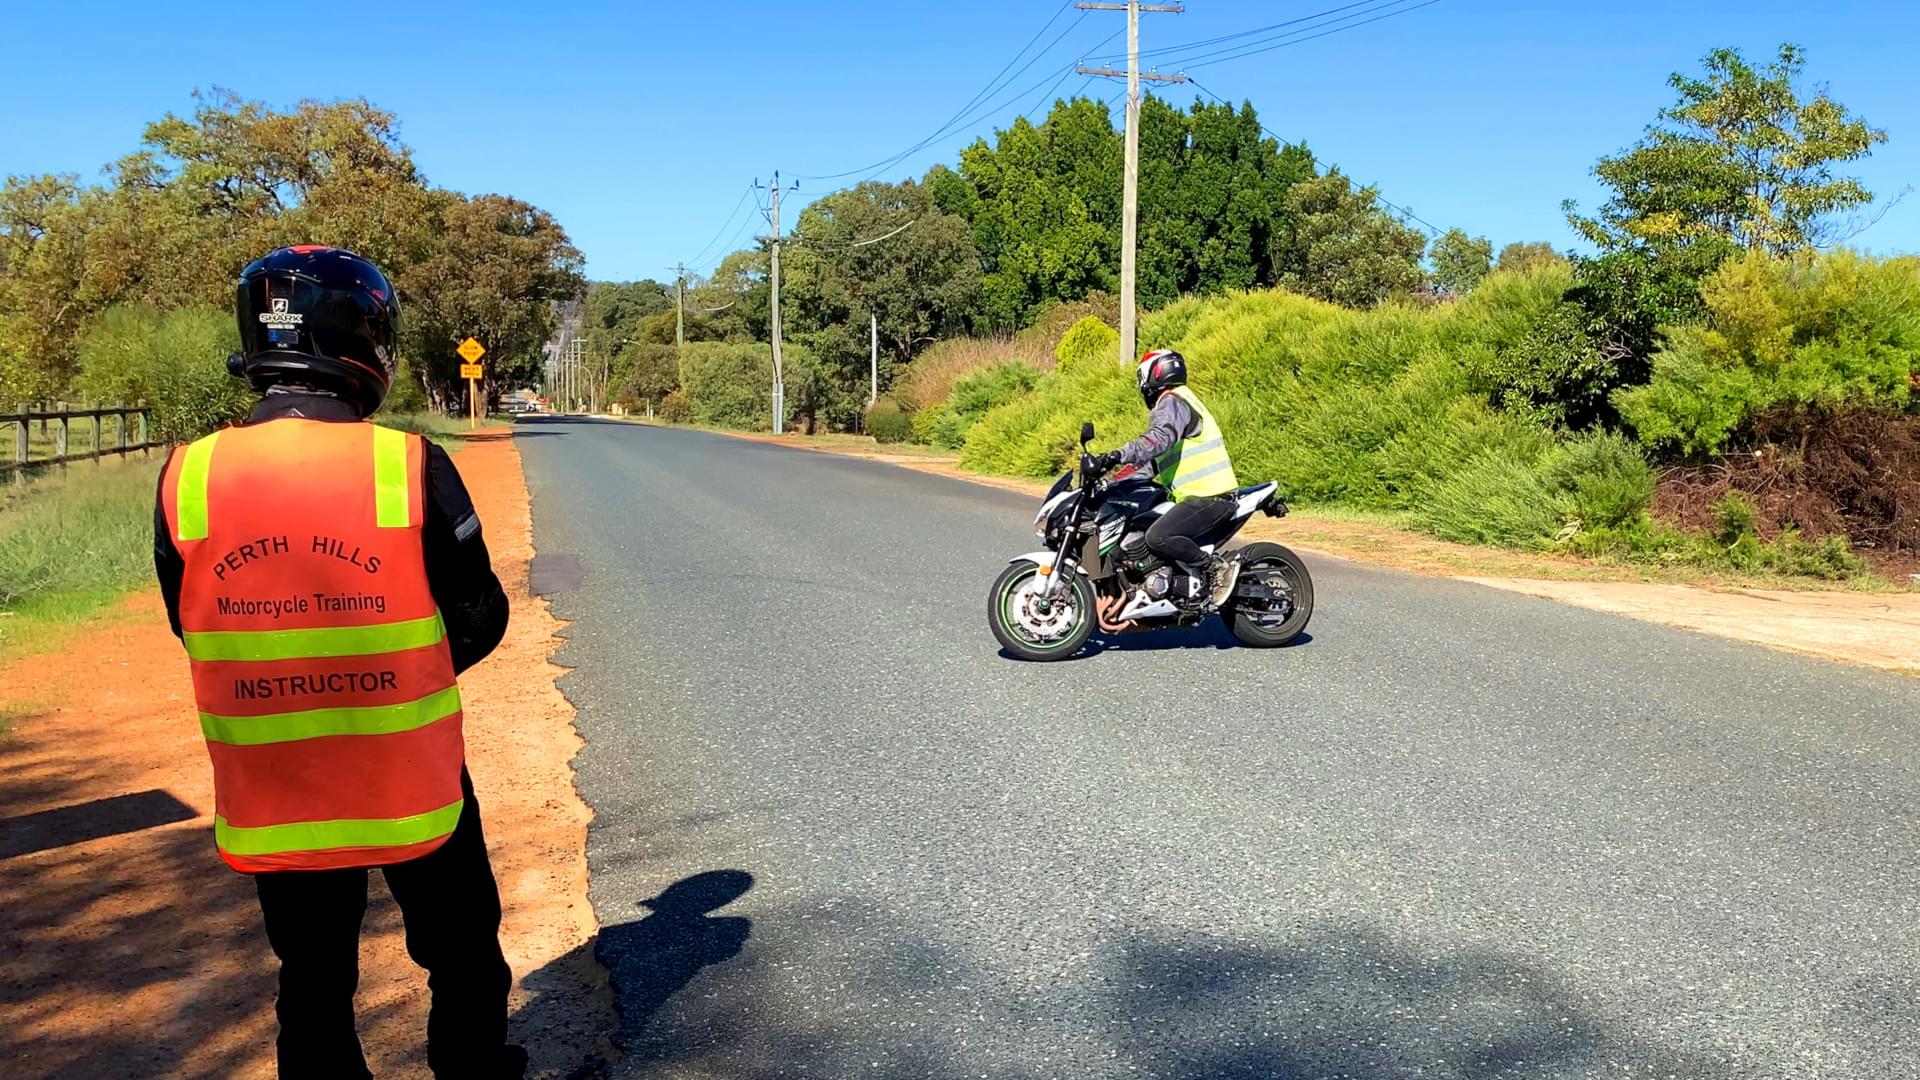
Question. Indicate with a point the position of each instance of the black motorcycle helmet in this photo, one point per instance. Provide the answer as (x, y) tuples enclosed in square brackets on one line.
[(1161, 370), (317, 316)]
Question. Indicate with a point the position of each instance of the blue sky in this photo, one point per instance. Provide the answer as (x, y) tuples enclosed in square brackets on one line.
[(640, 124)]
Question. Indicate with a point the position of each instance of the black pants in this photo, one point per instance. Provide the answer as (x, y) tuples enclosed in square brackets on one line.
[(452, 912), (1172, 537)]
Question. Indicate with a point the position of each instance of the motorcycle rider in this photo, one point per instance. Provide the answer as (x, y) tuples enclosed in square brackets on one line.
[(1188, 452)]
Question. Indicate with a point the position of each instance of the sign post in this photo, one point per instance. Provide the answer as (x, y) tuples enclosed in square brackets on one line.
[(471, 351)]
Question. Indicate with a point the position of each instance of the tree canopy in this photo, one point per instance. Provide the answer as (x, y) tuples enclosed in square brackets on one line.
[(208, 192)]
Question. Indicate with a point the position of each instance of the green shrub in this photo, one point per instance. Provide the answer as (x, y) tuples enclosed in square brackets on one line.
[(675, 409), (946, 424), (1400, 409), (728, 385), (1830, 331), (1557, 374), (1088, 341), (1499, 496), (174, 360), (1604, 479), (406, 394), (888, 423), (1160, 329), (930, 378)]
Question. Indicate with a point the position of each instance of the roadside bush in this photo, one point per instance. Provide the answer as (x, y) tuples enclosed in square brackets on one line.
[(675, 409), (174, 360), (929, 379), (946, 424), (1497, 497), (888, 423), (1557, 375), (1603, 478), (1088, 341), (1832, 331), (1160, 329), (728, 385), (405, 395)]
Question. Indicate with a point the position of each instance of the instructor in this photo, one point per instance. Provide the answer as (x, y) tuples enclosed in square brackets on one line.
[(329, 581)]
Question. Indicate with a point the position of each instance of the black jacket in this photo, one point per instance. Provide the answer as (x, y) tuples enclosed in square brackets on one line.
[(459, 571)]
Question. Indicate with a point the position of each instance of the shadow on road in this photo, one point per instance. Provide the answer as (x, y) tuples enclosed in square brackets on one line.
[(1212, 634), (648, 960), (819, 992)]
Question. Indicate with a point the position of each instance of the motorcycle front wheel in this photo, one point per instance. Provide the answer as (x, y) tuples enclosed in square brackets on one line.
[(1032, 625), (1272, 599)]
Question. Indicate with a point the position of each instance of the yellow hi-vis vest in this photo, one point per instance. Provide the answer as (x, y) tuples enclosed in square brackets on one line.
[(1197, 466)]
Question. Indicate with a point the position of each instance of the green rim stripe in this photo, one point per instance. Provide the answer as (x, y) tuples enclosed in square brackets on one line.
[(390, 479), (325, 835), (318, 723), (190, 499), (315, 644)]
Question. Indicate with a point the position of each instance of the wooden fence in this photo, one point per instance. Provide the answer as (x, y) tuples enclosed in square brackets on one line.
[(61, 434)]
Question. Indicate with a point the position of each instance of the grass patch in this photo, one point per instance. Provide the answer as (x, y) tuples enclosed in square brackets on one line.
[(446, 431), (70, 546)]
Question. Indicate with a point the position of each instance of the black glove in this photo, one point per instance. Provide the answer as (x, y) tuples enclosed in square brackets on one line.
[(1106, 462)]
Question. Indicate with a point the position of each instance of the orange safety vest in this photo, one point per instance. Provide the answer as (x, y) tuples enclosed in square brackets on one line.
[(320, 661)]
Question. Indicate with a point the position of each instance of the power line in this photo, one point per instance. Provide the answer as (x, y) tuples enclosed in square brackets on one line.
[(1207, 60), (993, 85), (1428, 225), (1191, 46), (848, 245), (695, 258), (745, 227), (972, 110)]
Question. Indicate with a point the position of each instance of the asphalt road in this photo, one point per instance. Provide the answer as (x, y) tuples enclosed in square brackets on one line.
[(1459, 833)]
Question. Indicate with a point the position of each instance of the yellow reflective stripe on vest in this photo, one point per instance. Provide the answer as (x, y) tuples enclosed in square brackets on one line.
[(190, 497), (390, 487), (316, 723), (316, 644), (325, 835)]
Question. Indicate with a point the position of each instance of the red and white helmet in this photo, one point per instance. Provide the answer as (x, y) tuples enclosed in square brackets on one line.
[(1160, 370)]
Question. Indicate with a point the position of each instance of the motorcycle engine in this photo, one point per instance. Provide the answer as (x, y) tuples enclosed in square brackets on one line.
[(1165, 584)]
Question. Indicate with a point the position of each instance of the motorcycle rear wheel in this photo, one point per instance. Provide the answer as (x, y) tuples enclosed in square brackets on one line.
[(1261, 629), (1032, 627)]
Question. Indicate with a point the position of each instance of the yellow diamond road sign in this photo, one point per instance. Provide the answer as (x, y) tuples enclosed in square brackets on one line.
[(471, 351)]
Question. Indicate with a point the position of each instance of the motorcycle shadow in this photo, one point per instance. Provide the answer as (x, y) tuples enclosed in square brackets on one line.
[(1209, 635)]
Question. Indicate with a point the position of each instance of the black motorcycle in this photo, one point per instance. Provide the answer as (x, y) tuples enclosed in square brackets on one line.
[(1096, 570)]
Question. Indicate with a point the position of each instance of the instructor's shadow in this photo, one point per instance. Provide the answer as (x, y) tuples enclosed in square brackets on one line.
[(652, 959)]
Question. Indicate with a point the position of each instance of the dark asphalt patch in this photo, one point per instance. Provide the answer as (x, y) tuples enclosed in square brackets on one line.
[(548, 575)]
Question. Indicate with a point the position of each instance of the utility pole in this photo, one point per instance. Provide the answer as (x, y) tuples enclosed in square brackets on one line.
[(679, 306), (873, 326), (779, 386), (1130, 196)]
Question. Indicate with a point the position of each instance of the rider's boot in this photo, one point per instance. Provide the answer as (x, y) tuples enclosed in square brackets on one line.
[(1222, 572)]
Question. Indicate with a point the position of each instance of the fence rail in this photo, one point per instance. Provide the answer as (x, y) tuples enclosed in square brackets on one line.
[(44, 435)]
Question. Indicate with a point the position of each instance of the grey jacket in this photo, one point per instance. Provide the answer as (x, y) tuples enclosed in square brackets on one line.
[(1172, 420)]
